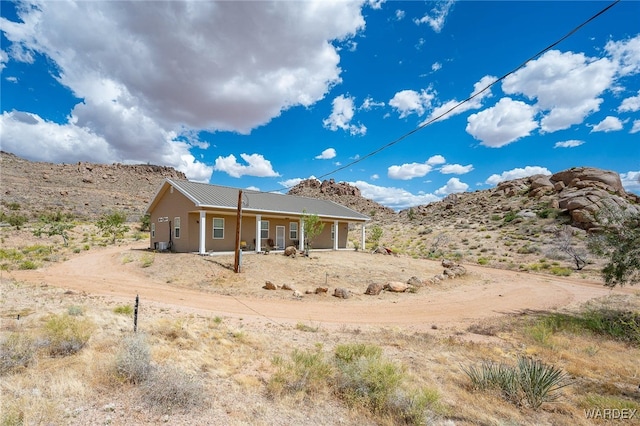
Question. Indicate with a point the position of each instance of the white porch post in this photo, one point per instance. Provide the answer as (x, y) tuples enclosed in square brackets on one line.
[(335, 235), (301, 243), (364, 248), (258, 232), (203, 232)]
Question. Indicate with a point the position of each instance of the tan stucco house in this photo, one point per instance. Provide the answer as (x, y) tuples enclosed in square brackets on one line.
[(202, 218)]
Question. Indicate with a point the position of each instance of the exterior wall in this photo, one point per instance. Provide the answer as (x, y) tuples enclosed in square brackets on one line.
[(279, 221), (324, 240), (172, 205)]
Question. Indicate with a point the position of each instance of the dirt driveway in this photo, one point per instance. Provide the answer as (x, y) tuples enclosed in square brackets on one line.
[(206, 285)]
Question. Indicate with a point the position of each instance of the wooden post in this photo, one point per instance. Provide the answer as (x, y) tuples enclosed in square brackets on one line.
[(236, 264), (135, 315)]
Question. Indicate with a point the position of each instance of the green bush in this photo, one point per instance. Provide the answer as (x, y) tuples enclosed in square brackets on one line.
[(65, 335), (28, 264), (16, 351), (560, 271), (133, 361), (306, 372), (123, 310)]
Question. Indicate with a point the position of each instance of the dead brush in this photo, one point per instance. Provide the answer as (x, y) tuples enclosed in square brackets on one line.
[(133, 361), (171, 387), (17, 351)]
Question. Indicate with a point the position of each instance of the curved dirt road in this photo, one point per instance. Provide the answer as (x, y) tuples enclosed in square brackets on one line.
[(484, 293)]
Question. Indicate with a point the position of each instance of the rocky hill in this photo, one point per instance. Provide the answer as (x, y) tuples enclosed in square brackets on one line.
[(84, 190)]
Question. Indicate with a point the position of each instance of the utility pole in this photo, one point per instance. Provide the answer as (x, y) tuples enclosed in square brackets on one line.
[(236, 263)]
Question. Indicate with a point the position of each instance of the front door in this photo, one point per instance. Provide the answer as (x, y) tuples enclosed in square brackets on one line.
[(280, 237)]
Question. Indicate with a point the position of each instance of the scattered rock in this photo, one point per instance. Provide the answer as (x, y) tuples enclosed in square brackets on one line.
[(415, 282), (396, 286), (288, 287), (297, 294), (322, 290), (342, 293), (374, 289), (290, 251), (269, 286)]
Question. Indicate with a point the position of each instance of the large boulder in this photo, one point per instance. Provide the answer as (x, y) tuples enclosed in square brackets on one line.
[(342, 293), (582, 177)]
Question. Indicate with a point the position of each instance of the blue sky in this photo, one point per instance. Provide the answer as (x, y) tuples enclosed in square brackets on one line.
[(263, 94)]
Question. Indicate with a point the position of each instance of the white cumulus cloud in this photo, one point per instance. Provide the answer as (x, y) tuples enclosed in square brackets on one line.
[(517, 173), (568, 144), (408, 102), (437, 16), (475, 103), (565, 85), (502, 124), (454, 185), (636, 127), (630, 104), (456, 169), (327, 154), (412, 170), (631, 181), (341, 116), (609, 124), (256, 165), (395, 198)]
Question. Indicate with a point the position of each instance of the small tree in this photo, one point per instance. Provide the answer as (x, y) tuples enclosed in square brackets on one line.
[(564, 242), (312, 228), (145, 222), (374, 236), (55, 228), (113, 225), (619, 241)]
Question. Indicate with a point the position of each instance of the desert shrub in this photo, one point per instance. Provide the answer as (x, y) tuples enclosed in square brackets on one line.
[(307, 372), (510, 216), (15, 219), (123, 310), (16, 351), (620, 324), (75, 310), (28, 264), (483, 261), (133, 361), (147, 260), (529, 381), (65, 335), (365, 378), (170, 387), (560, 271)]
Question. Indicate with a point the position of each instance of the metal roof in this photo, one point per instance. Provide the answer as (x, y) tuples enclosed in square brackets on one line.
[(224, 197)]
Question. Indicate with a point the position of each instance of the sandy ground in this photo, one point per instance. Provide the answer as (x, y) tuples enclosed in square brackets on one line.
[(207, 285)]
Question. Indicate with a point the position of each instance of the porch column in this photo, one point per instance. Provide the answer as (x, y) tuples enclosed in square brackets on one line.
[(335, 235), (364, 248), (301, 242), (203, 232), (258, 232)]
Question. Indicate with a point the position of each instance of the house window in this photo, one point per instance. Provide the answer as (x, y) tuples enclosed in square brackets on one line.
[(333, 231), (176, 227), (264, 229), (293, 230), (218, 228), (153, 230)]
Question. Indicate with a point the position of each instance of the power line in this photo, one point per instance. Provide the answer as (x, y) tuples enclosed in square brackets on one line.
[(459, 104)]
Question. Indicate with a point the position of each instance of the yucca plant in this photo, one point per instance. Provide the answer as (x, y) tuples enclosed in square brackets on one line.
[(540, 382)]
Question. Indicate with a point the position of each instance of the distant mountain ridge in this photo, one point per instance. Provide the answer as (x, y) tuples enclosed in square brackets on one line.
[(88, 190)]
